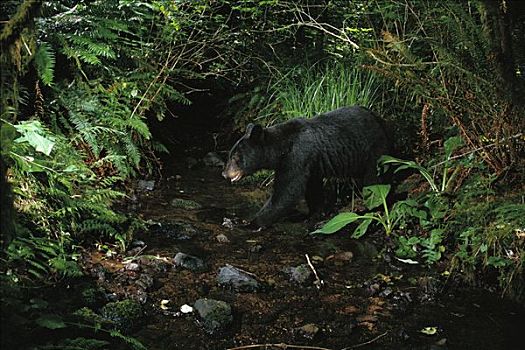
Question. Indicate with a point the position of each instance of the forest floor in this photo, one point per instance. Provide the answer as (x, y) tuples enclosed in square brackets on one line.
[(360, 300)]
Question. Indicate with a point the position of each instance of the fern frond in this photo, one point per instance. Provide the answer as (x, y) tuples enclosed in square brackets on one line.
[(96, 48), (45, 63)]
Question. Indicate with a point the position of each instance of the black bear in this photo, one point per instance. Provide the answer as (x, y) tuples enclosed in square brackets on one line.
[(345, 143)]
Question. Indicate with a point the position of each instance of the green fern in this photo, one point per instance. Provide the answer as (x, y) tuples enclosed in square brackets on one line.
[(45, 63)]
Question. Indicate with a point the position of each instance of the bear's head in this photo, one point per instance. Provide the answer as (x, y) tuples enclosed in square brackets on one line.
[(245, 156)]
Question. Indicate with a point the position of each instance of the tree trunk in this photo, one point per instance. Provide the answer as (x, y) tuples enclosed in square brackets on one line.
[(497, 26)]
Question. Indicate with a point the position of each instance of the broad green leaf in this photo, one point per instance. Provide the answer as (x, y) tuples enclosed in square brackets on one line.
[(32, 133), (51, 321), (375, 195), (338, 222), (361, 229), (452, 144)]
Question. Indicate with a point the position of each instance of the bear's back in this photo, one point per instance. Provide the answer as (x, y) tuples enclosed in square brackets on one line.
[(344, 142)]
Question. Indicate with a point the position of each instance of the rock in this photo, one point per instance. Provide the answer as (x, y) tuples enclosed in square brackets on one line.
[(299, 274), (145, 185), (239, 280), (124, 315), (211, 159), (222, 238), (144, 282), (189, 262), (132, 266), (228, 223), (137, 243), (307, 331), (215, 315), (175, 230), (188, 204)]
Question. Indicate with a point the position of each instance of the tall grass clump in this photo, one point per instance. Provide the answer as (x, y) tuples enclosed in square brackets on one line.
[(308, 91)]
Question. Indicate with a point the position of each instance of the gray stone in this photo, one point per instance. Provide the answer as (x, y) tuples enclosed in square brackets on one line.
[(189, 262), (222, 238), (307, 331), (239, 280), (132, 266), (146, 185), (213, 160), (300, 274), (215, 315)]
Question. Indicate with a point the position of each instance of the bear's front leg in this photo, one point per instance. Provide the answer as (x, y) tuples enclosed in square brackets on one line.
[(289, 188)]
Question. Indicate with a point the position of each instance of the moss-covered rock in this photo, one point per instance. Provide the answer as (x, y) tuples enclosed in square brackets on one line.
[(215, 315), (124, 315)]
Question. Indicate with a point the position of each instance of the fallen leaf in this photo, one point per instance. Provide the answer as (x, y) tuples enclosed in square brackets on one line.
[(407, 261), (429, 330), (163, 304)]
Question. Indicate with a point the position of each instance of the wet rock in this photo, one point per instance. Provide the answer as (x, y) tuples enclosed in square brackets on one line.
[(189, 262), (152, 264), (212, 159), (215, 315), (145, 185), (299, 274), (137, 243), (132, 266), (144, 282), (307, 331), (175, 230), (237, 279), (124, 315), (228, 223), (222, 238), (187, 204)]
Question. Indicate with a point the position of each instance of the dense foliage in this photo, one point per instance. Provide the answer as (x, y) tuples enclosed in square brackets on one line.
[(82, 82)]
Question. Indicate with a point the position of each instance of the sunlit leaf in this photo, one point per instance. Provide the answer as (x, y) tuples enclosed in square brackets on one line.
[(338, 222), (361, 229), (429, 330), (375, 195)]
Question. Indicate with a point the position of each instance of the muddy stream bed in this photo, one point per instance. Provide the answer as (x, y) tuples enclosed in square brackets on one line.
[(359, 300)]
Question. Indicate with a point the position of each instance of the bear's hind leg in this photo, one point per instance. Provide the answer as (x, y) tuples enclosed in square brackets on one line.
[(315, 196)]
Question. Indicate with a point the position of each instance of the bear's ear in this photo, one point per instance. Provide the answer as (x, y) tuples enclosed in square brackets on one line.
[(254, 132)]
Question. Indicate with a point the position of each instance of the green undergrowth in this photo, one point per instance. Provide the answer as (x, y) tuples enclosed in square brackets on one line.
[(488, 226), (310, 90)]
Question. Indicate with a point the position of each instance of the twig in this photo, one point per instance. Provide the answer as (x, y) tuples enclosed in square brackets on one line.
[(279, 345), (367, 342), (318, 282)]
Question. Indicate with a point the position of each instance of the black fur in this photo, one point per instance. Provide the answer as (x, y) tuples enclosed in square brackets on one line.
[(345, 143)]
